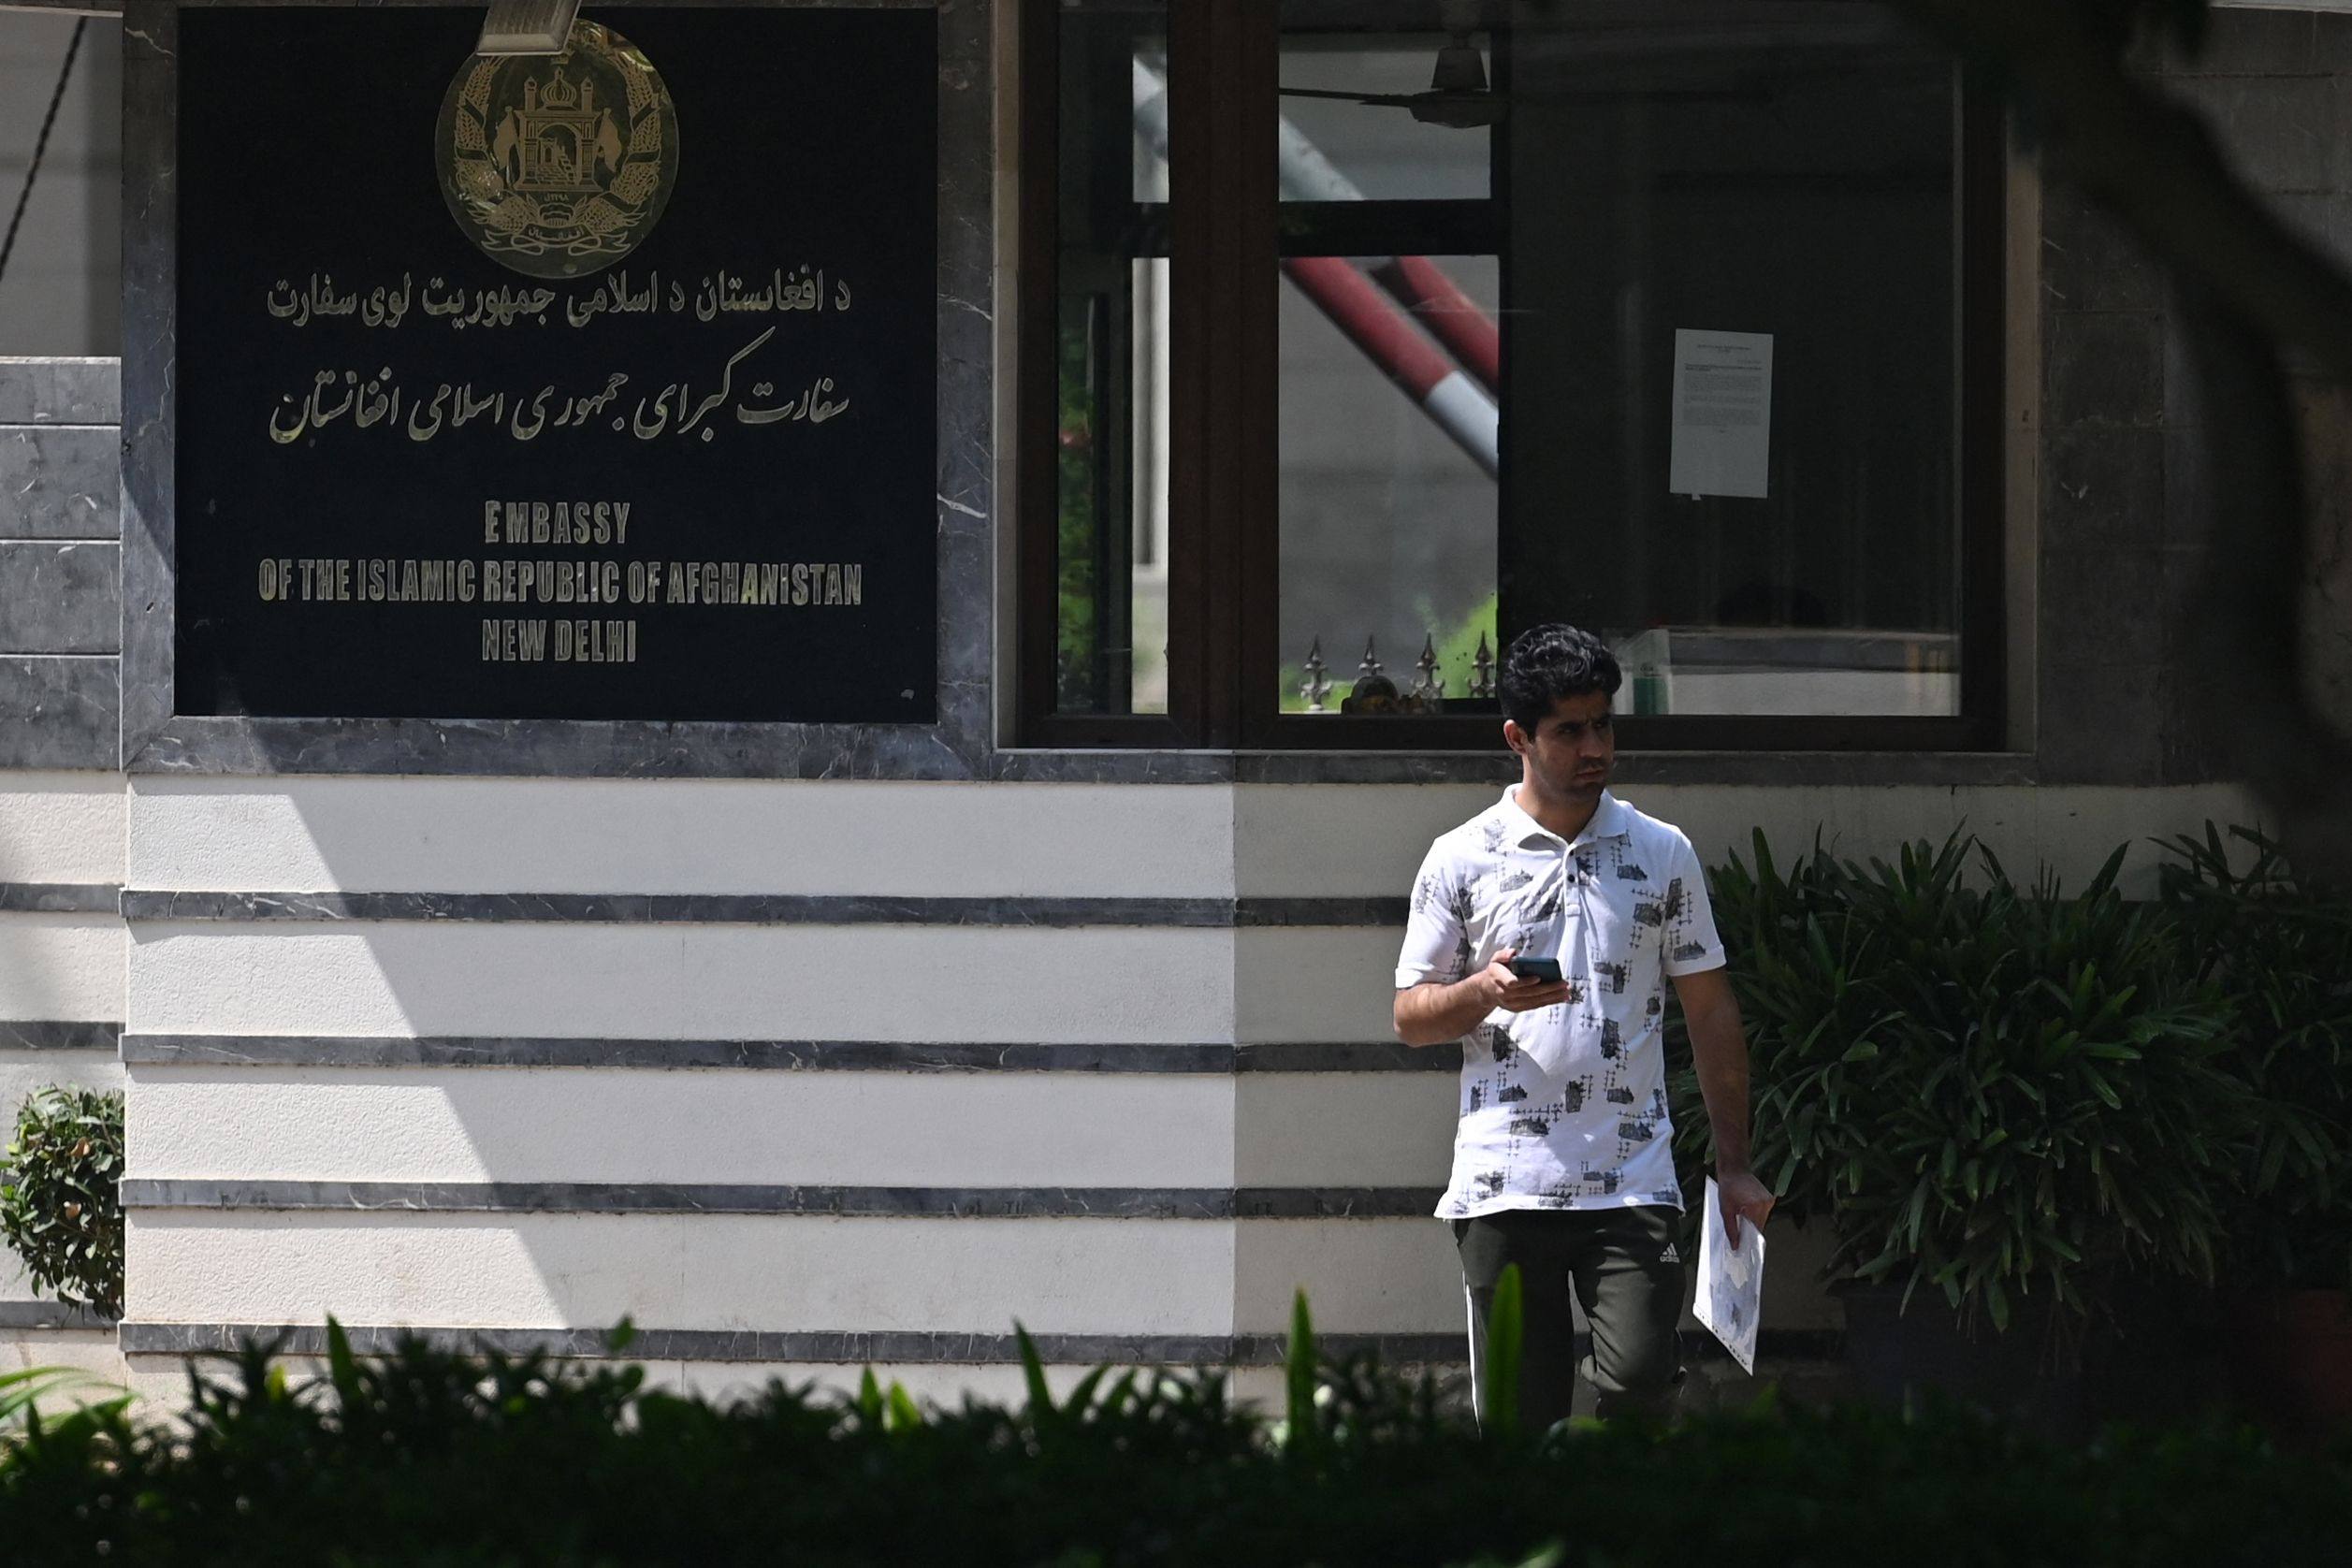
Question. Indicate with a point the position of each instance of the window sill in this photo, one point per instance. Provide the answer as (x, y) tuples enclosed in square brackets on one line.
[(1814, 769)]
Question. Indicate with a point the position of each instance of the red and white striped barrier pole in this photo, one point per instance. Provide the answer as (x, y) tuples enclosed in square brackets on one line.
[(1453, 318), (1419, 284), (1459, 406)]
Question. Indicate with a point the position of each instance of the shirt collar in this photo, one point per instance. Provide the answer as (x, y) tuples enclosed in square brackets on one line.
[(1609, 820)]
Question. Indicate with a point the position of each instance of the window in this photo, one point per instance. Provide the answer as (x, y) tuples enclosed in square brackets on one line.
[(1110, 369), (61, 285), (1374, 330)]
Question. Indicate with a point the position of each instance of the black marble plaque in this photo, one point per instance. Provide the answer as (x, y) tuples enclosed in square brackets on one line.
[(693, 484)]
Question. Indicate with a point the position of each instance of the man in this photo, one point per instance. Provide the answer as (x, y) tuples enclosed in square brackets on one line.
[(1564, 1159)]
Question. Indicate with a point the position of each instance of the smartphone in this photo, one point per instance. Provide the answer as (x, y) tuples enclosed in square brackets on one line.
[(1536, 968)]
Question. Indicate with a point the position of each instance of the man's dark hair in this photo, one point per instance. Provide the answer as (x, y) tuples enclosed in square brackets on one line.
[(1544, 664)]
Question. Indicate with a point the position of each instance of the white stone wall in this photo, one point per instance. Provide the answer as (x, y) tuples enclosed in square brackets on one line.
[(640, 1125), (56, 828), (1369, 840)]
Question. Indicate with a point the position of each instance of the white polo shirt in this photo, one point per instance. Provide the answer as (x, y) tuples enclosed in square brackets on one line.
[(1564, 1107)]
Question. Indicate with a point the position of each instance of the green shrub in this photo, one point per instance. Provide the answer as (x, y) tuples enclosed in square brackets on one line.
[(427, 1457), (21, 1391), (2282, 949), (1994, 1090), (61, 1206)]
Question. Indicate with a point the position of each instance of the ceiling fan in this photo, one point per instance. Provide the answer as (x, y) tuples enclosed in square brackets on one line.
[(1457, 95)]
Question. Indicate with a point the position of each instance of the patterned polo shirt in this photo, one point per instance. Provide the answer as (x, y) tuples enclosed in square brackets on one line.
[(1564, 1107)]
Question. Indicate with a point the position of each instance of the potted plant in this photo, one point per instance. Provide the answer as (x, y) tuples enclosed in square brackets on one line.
[(2281, 950), (2004, 1100), (61, 1207)]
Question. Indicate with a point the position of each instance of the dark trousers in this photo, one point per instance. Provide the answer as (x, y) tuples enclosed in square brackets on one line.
[(1620, 1265)]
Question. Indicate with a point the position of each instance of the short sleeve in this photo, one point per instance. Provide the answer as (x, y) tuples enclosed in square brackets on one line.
[(1436, 935), (1691, 942)]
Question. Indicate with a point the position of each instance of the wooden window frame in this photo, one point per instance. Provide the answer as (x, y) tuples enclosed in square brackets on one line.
[(1224, 507)]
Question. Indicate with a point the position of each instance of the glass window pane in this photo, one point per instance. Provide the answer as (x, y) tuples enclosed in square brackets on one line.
[(1341, 95), (63, 289), (1678, 360), (1692, 187), (1111, 437), (1387, 498), (1388, 363)]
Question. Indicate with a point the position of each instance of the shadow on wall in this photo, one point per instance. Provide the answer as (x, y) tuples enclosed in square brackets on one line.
[(540, 1251), (61, 973), (1120, 1159)]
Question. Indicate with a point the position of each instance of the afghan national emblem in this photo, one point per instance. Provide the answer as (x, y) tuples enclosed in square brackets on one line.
[(559, 164)]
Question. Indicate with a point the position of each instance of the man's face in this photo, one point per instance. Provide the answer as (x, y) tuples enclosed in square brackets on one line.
[(1573, 749)]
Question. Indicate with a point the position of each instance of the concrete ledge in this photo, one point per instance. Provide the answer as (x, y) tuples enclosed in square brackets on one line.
[(672, 1199), (1653, 765), (1376, 1057), (141, 904), (43, 1316), (59, 898), (474, 1051), (578, 749), (839, 1346), (888, 1347), (55, 1034)]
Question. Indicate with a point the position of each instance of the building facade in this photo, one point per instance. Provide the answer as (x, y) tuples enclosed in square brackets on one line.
[(1240, 377)]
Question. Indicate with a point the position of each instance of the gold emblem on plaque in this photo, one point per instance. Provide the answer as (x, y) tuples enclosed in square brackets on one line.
[(559, 164)]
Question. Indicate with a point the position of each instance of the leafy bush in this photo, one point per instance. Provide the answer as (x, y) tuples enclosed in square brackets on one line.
[(21, 1391), (430, 1457), (61, 1207), (1991, 1089), (2281, 950)]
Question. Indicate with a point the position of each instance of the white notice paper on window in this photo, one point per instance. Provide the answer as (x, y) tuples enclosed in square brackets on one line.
[(1730, 1298), (1722, 413)]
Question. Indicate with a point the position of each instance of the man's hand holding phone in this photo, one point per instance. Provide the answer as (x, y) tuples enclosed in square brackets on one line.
[(1514, 991)]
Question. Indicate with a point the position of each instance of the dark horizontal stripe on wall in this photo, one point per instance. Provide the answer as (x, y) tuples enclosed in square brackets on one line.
[(475, 1050), (1319, 911), (1497, 768), (846, 1348), (1335, 1203), (480, 1051), (27, 1317), (889, 1348), (712, 1197), (58, 1034), (1369, 1057), (59, 898), (143, 904)]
